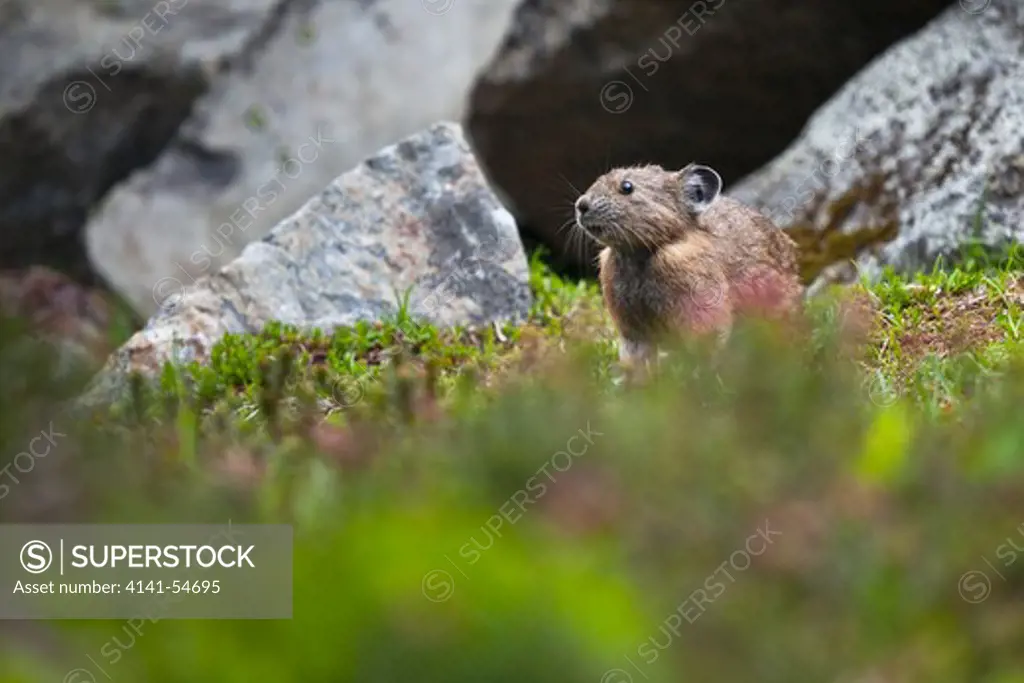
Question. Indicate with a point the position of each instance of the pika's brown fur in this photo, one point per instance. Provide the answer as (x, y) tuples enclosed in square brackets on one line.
[(678, 256)]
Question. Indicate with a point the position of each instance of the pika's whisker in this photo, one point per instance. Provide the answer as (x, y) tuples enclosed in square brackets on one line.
[(566, 224), (576, 242), (569, 183)]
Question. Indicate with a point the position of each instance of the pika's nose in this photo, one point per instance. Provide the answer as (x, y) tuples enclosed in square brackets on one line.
[(582, 205)]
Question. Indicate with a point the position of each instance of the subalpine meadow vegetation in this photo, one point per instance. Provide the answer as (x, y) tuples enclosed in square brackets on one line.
[(836, 503)]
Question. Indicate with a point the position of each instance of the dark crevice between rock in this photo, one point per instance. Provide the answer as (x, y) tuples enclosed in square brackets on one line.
[(245, 60), (79, 138), (734, 95), (215, 169)]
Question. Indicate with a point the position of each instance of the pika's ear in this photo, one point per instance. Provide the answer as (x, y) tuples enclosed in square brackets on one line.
[(701, 186)]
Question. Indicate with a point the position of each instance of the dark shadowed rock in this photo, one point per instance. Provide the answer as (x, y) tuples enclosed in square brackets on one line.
[(581, 85), (919, 154), (418, 217)]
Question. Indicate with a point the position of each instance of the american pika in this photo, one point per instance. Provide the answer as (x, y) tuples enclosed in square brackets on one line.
[(678, 256)]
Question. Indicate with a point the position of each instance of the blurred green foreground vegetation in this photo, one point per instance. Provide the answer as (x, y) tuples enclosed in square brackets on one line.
[(501, 505)]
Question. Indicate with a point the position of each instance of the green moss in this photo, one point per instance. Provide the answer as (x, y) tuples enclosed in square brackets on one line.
[(255, 118)]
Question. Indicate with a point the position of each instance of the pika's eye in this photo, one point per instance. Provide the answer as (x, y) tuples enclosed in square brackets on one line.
[(626, 187)]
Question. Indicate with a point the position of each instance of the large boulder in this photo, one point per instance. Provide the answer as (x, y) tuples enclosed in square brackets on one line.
[(581, 85), (333, 84), (89, 91), (418, 217), (919, 155), (162, 122)]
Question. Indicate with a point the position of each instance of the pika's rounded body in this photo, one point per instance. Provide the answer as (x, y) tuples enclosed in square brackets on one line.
[(679, 257)]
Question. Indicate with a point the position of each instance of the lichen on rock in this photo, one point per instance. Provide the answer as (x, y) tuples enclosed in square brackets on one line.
[(939, 159)]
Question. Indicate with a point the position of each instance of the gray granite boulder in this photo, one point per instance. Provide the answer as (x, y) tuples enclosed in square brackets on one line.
[(919, 154), (581, 85), (416, 219), (329, 83), (131, 131)]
